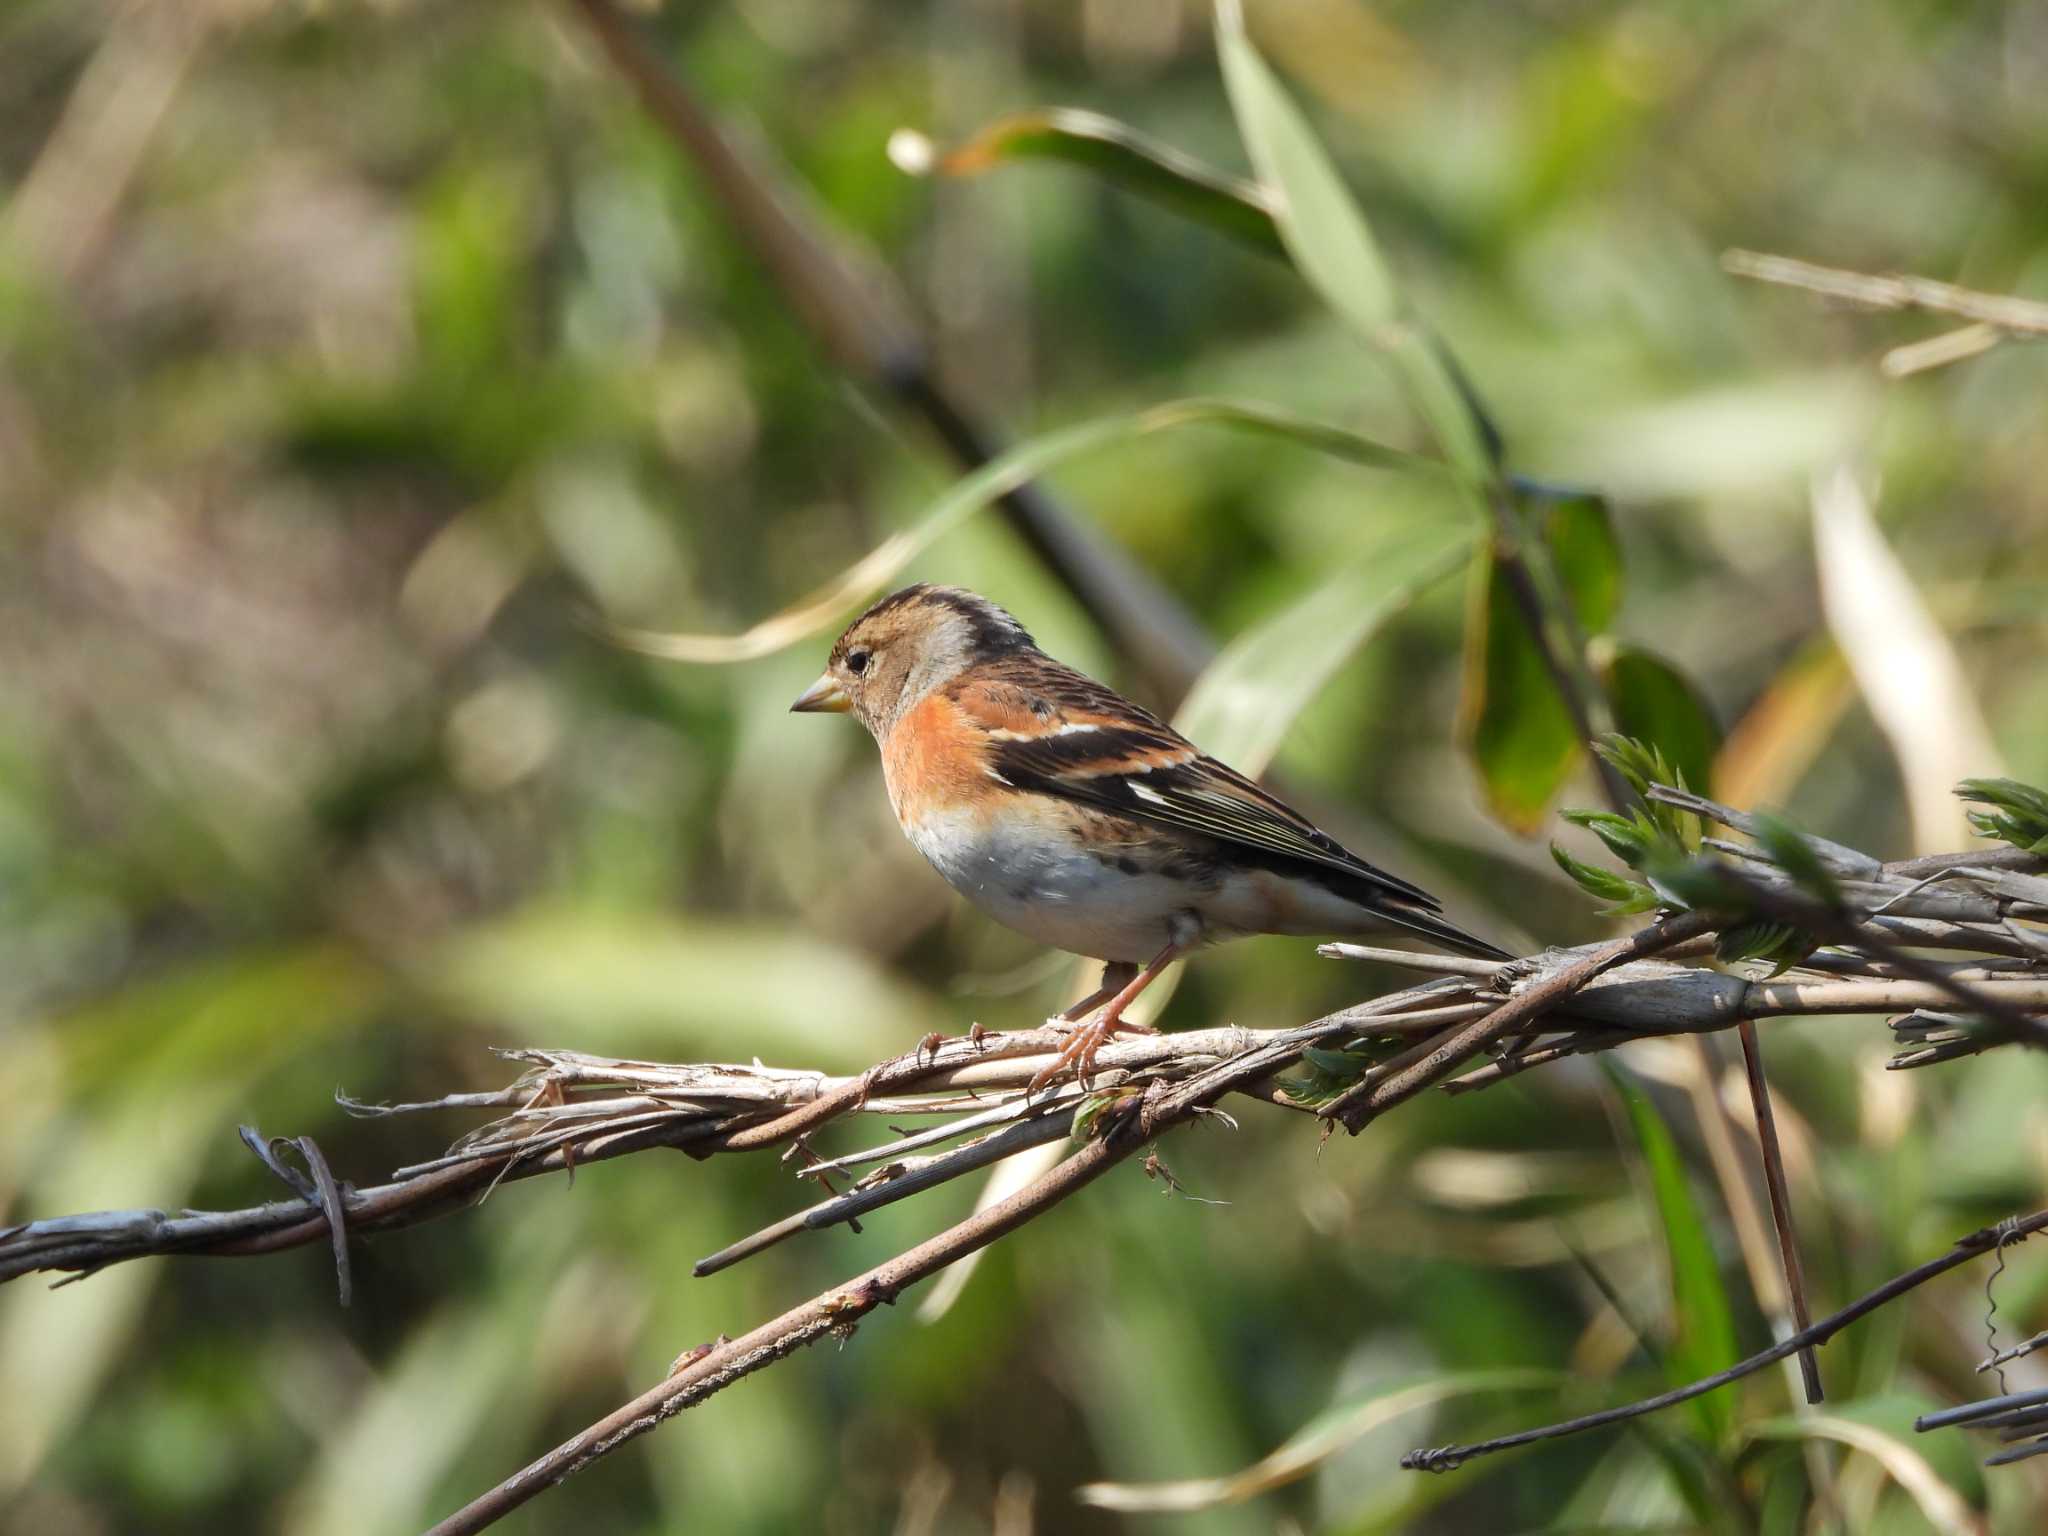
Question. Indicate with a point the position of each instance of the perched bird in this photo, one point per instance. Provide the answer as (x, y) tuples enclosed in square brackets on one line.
[(1065, 811)]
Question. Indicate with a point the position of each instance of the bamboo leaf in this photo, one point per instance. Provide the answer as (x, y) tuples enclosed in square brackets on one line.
[(1333, 246), (1242, 705), (1703, 1325), (1128, 159), (997, 478), (1518, 732), (2019, 815), (1629, 896), (1903, 661), (1521, 736), (1578, 532)]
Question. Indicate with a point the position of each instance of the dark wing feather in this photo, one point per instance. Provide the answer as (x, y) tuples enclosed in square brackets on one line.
[(1126, 760)]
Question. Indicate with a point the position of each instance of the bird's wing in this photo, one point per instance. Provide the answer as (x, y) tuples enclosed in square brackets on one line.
[(1053, 731)]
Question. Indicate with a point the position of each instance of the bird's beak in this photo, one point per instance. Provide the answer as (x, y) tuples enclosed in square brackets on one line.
[(824, 697)]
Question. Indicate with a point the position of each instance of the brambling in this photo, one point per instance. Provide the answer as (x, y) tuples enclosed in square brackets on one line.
[(1070, 814)]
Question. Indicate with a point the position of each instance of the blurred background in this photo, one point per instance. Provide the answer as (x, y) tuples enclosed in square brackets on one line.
[(352, 355)]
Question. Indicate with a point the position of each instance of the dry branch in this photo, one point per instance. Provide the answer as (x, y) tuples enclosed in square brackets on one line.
[(1991, 317), (568, 1108)]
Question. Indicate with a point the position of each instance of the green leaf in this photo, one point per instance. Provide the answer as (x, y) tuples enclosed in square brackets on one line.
[(1088, 1113), (830, 603), (1638, 762), (1241, 707), (1514, 725), (1655, 703), (1520, 735), (1333, 247), (1780, 943), (1641, 765), (2024, 823), (1578, 534), (1633, 838), (1126, 158), (1325, 1074), (1629, 896), (1703, 1339)]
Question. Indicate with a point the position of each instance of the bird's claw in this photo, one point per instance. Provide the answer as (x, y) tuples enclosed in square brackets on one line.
[(1077, 1051)]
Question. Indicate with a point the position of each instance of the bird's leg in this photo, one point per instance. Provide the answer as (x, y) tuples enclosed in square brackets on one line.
[(1079, 1051), (1116, 975)]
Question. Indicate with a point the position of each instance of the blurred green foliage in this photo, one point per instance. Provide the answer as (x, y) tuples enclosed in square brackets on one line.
[(350, 355)]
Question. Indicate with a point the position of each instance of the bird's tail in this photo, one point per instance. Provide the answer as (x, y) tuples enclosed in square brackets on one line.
[(1416, 918)]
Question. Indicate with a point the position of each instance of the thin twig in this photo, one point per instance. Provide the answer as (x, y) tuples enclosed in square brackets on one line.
[(909, 1181), (839, 1309), (1413, 959), (2020, 317), (1447, 1457), (834, 1312), (1785, 904), (1359, 1104), (1781, 1201), (572, 1109)]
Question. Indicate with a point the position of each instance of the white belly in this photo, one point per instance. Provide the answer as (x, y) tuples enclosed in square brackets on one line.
[(1057, 895)]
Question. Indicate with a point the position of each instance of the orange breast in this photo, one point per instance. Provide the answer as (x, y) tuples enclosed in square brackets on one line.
[(933, 760)]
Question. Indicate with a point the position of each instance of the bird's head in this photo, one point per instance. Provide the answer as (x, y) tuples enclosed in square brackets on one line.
[(908, 644)]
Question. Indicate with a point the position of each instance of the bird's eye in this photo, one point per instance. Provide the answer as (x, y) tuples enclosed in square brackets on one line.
[(856, 662)]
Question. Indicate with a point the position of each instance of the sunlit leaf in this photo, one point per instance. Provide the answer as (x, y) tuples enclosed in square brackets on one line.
[(1242, 705), (1881, 1428), (1313, 1444), (1634, 838), (1128, 159), (2020, 814), (1703, 1333), (997, 478), (1641, 765), (1628, 896), (1903, 661), (1333, 246)]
